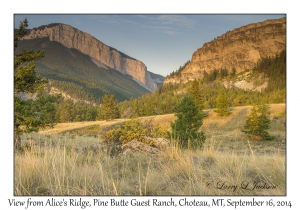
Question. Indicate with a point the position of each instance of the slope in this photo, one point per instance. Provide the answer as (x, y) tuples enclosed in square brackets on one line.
[(236, 51), (158, 79), (85, 43), (77, 75)]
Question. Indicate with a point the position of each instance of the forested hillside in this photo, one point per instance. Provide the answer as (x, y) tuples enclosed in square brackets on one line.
[(167, 96), (162, 101)]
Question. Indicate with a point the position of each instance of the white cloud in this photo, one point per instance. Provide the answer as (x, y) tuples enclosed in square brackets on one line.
[(179, 20), (171, 33), (130, 21), (157, 27), (110, 19)]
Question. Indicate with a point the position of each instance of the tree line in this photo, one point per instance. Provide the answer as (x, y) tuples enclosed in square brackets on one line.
[(70, 111)]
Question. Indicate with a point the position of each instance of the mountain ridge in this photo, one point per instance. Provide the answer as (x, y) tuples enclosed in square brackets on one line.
[(87, 44), (76, 75), (239, 49)]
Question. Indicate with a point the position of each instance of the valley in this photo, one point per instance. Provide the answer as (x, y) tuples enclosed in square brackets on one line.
[(90, 120)]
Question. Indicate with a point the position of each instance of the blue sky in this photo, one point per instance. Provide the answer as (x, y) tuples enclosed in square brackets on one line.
[(162, 41)]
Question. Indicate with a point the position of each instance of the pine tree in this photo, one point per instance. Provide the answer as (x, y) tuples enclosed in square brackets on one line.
[(222, 104), (258, 122), (185, 128), (38, 112), (197, 94), (66, 111), (91, 113), (100, 113), (109, 108)]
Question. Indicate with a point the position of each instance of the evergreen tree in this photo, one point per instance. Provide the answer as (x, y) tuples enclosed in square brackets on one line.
[(91, 113), (197, 94), (222, 104), (109, 108), (66, 111), (258, 122), (100, 115), (185, 128), (38, 112)]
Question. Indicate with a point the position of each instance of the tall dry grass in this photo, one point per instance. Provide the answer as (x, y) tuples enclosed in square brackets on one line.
[(58, 169), (229, 164)]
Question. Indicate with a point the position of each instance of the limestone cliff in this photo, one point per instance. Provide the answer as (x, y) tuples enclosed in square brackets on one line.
[(87, 44), (240, 49)]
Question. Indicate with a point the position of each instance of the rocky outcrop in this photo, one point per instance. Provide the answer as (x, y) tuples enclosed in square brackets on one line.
[(160, 143), (137, 146), (98, 51), (239, 49), (134, 146)]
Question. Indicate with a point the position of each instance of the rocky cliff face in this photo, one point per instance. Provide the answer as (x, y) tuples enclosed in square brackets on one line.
[(87, 44), (240, 49)]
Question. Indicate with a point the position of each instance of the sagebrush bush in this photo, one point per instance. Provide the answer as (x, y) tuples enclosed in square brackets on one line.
[(128, 131), (157, 132), (134, 130)]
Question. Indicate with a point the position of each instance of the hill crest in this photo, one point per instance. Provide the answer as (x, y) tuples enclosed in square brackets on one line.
[(239, 49)]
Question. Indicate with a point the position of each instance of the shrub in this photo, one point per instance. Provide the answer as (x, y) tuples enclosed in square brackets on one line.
[(158, 132), (130, 130), (134, 130)]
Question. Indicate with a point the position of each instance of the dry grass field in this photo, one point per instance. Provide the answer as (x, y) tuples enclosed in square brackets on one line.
[(53, 162)]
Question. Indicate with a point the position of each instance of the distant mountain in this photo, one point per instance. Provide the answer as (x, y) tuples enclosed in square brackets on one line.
[(71, 37), (237, 50), (83, 67), (158, 79), (77, 75)]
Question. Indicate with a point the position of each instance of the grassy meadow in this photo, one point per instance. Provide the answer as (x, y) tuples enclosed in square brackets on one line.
[(58, 161)]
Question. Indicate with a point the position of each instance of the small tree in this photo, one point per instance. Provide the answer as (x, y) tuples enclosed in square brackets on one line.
[(65, 111), (185, 128), (258, 122), (197, 94), (109, 109), (222, 104)]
